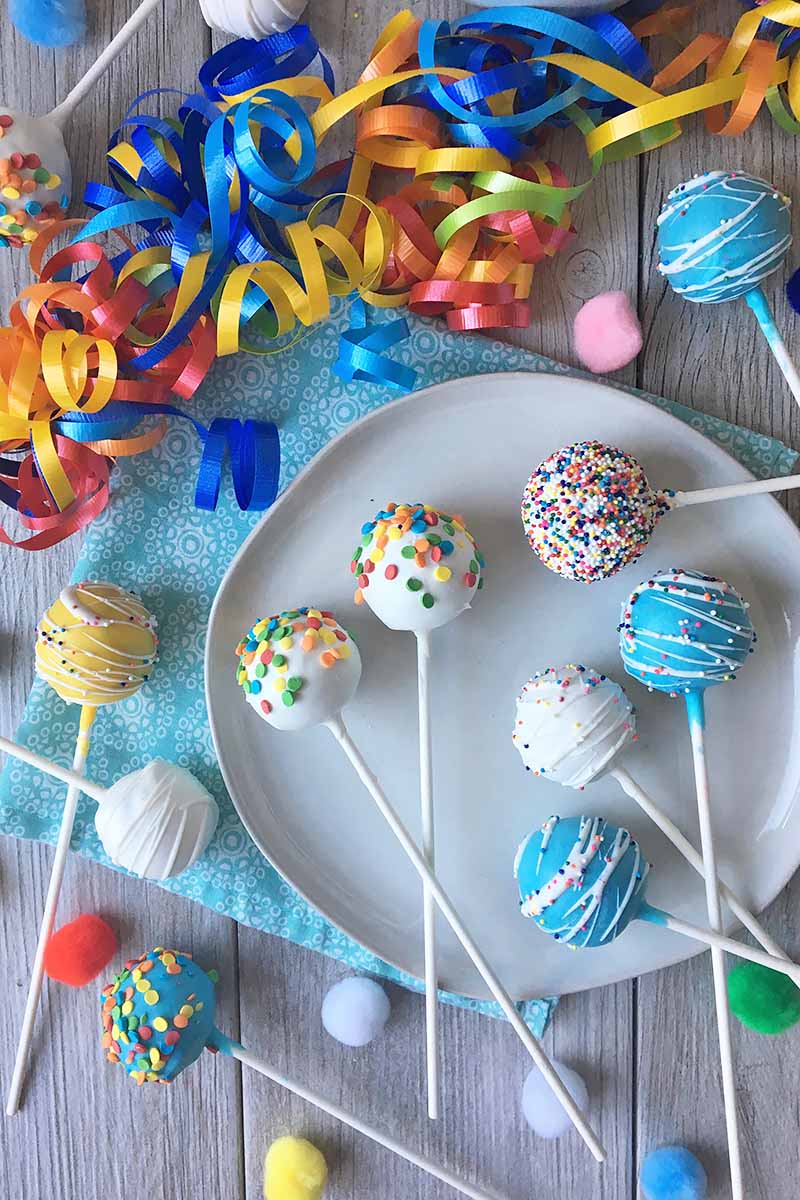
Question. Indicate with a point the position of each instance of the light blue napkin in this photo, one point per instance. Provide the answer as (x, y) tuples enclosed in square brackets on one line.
[(153, 540)]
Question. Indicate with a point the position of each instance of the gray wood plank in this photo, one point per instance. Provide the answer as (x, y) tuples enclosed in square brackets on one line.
[(714, 358)]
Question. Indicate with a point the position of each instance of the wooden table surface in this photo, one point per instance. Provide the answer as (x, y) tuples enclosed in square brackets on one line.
[(647, 1048)]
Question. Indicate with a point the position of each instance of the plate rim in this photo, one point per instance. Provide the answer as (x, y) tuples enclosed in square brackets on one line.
[(435, 391)]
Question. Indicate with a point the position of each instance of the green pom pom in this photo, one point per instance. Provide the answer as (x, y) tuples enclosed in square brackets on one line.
[(764, 1000)]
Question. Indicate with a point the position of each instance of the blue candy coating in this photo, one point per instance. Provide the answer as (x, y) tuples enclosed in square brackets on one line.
[(581, 879), (673, 1173), (50, 22), (190, 988), (721, 234), (682, 631)]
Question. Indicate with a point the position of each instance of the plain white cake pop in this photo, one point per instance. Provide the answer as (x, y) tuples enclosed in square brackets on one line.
[(417, 568), (571, 724), (355, 1010), (541, 1108), (35, 175), (156, 822), (299, 668)]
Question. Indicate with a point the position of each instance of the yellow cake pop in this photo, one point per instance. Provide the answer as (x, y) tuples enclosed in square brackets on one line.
[(96, 644)]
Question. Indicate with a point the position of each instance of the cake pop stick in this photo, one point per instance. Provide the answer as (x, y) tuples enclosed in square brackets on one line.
[(36, 180), (418, 569), (95, 645), (572, 727), (588, 509), (155, 822), (155, 1032), (719, 236), (604, 867), (300, 669), (681, 633)]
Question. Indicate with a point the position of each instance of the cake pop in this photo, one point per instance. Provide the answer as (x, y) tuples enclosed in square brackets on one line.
[(719, 236), (588, 510), (323, 702), (584, 881), (158, 1015), (573, 725), (35, 171), (681, 633), (95, 645), (419, 568)]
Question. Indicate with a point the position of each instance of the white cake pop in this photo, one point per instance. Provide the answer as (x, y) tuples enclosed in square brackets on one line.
[(156, 822), (35, 175), (571, 724), (299, 668), (416, 567)]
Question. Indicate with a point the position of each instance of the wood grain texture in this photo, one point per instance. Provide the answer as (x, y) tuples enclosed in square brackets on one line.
[(648, 1050)]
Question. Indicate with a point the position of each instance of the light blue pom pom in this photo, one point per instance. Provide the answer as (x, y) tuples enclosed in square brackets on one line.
[(50, 22), (672, 1173)]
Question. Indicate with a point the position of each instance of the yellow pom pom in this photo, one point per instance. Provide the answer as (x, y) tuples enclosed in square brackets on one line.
[(96, 644), (294, 1170)]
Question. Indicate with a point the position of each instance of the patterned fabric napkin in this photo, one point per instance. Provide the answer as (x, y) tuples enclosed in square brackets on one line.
[(152, 539)]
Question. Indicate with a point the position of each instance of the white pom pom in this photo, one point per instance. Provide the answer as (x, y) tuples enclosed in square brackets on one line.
[(355, 1010), (542, 1109)]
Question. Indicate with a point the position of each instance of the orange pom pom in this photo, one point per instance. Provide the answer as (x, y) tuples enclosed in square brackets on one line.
[(79, 951)]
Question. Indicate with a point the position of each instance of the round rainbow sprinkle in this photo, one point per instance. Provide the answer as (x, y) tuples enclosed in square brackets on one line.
[(588, 511)]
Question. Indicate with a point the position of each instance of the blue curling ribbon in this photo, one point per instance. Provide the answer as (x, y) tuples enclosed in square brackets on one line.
[(793, 291), (361, 352), (245, 64), (253, 448)]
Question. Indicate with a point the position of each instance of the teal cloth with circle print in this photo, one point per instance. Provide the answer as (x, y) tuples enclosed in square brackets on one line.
[(152, 539)]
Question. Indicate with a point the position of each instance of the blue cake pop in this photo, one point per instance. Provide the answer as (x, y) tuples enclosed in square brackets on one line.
[(582, 879), (683, 631), (721, 234), (158, 1015)]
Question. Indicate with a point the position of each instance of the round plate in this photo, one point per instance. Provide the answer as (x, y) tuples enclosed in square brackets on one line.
[(469, 446)]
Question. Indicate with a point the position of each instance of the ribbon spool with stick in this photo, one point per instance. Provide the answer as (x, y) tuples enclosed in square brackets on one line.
[(417, 569), (95, 645), (682, 632), (300, 668)]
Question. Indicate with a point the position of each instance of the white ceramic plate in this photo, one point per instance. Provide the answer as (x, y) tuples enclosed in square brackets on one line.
[(469, 446)]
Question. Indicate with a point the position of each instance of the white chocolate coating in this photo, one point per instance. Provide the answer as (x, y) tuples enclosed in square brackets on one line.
[(572, 722), (298, 669), (156, 822), (35, 175), (417, 568)]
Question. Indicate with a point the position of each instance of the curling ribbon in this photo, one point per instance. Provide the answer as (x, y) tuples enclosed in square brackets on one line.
[(362, 352)]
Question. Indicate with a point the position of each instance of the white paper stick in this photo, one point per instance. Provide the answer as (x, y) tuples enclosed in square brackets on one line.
[(63, 111), (685, 847), (341, 1114), (337, 728), (429, 851), (733, 490), (696, 711), (49, 915), (71, 778)]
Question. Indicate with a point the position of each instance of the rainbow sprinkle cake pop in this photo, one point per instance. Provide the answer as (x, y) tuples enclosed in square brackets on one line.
[(417, 568), (299, 668), (158, 1015), (588, 511), (683, 631), (35, 176)]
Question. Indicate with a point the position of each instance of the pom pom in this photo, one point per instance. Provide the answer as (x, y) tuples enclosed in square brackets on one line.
[(607, 333), (764, 1000), (50, 22), (79, 951), (542, 1110), (294, 1170), (672, 1173), (355, 1010)]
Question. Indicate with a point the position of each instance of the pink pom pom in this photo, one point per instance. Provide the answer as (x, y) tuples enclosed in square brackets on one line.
[(607, 333)]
